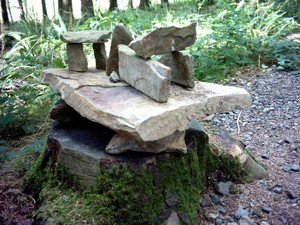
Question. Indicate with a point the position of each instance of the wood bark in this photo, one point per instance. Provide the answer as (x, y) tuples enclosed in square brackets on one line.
[(22, 14), (65, 8), (113, 5), (44, 8), (87, 7), (5, 18), (144, 4)]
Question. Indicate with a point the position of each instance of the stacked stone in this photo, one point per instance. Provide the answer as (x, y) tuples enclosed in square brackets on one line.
[(131, 60), (76, 57)]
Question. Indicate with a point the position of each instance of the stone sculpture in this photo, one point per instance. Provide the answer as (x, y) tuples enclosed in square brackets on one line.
[(76, 57)]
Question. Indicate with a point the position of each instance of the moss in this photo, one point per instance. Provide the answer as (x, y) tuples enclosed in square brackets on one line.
[(131, 193)]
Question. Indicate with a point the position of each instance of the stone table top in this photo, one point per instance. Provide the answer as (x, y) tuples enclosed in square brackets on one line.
[(87, 36), (127, 111)]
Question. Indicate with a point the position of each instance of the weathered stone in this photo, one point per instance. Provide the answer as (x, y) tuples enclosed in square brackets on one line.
[(89, 36), (182, 66), (63, 113), (120, 35), (173, 219), (100, 55), (171, 143), (148, 76), (114, 77), (223, 143), (224, 187), (164, 40), (127, 111), (76, 58)]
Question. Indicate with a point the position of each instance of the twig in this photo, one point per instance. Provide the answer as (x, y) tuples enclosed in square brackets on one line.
[(238, 122), (19, 192)]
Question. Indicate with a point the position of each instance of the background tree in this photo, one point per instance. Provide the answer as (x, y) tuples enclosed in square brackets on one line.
[(44, 8), (87, 7), (144, 4), (5, 18), (65, 8), (130, 4), (113, 5), (22, 13)]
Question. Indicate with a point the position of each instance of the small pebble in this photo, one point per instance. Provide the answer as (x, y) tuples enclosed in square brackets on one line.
[(265, 156), (295, 167), (221, 209), (286, 168), (240, 212), (263, 223), (267, 209), (278, 189)]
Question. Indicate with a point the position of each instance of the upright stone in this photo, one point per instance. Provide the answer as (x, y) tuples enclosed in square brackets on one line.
[(164, 40), (76, 58), (100, 55), (148, 76), (182, 65), (120, 35)]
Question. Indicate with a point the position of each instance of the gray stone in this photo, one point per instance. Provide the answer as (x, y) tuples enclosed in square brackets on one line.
[(265, 156), (148, 76), (127, 111), (120, 35), (173, 219), (245, 220), (76, 58), (114, 77), (214, 198), (89, 36), (100, 55), (206, 202), (266, 209), (182, 66), (224, 187), (172, 143), (286, 168), (221, 209), (263, 223), (164, 40), (295, 167), (63, 113), (171, 199), (240, 212), (278, 189), (232, 223)]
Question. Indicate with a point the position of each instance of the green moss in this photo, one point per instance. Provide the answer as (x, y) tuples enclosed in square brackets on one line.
[(131, 194)]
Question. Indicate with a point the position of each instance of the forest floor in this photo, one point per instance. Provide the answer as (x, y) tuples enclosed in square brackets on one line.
[(270, 130)]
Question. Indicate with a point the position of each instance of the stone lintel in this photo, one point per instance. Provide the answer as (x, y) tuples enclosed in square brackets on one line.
[(88, 36), (148, 76), (164, 40)]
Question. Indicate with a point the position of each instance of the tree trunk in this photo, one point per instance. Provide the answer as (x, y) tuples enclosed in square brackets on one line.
[(144, 4), (87, 7), (22, 15), (44, 8), (5, 17), (130, 4), (113, 5), (65, 8)]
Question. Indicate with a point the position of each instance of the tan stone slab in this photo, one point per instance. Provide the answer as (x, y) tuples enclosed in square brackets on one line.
[(129, 112), (87, 36)]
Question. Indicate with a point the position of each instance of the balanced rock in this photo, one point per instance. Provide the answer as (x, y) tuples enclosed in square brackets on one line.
[(120, 35), (172, 143), (90, 36), (148, 76), (126, 110), (100, 55), (182, 66), (164, 40)]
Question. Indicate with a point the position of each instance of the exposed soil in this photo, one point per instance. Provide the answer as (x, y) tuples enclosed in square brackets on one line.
[(270, 129)]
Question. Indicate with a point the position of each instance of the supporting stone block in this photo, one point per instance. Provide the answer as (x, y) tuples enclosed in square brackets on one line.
[(148, 76), (182, 65), (100, 55), (76, 58)]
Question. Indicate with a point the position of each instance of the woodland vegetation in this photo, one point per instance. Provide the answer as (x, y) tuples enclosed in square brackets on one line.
[(232, 36)]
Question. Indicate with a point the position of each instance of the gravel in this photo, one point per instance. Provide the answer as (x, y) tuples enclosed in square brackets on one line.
[(270, 130)]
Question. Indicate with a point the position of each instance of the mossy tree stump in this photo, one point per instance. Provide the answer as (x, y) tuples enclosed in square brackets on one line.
[(140, 188)]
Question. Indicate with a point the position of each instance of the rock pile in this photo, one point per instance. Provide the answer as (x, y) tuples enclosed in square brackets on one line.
[(149, 112)]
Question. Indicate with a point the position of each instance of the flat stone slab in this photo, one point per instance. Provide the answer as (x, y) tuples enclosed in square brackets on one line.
[(87, 36), (131, 113), (164, 40)]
